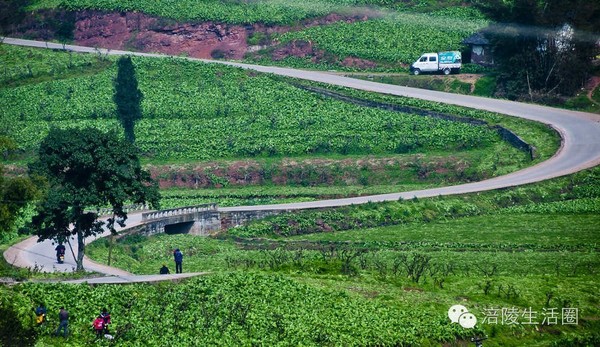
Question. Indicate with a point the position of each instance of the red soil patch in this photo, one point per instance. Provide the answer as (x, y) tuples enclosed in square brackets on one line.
[(149, 34), (199, 40)]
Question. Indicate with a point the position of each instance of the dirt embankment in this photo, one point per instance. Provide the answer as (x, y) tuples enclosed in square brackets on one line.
[(311, 172), (149, 34), (141, 32), (199, 40)]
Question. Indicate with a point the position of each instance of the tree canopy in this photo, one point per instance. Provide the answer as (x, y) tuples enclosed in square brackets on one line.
[(88, 169), (127, 97), (542, 48), (15, 192)]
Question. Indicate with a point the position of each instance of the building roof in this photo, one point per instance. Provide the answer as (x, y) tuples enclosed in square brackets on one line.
[(476, 39)]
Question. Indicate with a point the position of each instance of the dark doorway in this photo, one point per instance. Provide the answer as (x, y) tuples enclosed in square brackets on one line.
[(179, 228)]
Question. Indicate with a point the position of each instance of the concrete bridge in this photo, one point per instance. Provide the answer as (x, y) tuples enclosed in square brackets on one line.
[(203, 220)]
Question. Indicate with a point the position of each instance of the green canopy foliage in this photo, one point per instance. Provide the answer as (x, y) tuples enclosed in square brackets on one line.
[(543, 49), (15, 192), (88, 169)]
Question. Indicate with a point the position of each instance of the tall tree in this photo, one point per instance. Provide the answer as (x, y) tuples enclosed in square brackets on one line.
[(543, 48), (88, 169), (127, 97)]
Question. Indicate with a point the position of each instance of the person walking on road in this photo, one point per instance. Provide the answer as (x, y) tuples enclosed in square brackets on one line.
[(63, 317), (178, 261)]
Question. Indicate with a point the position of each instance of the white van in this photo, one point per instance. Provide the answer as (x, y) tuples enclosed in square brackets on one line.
[(445, 62)]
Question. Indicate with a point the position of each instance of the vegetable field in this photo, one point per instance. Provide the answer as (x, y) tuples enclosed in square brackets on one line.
[(237, 12), (235, 309), (398, 38), (485, 252), (195, 111)]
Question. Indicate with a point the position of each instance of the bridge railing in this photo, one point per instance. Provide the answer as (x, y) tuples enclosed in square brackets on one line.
[(106, 211), (178, 211)]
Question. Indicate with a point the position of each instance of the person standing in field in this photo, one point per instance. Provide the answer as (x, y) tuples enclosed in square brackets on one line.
[(178, 261), (98, 325), (40, 314), (63, 317), (106, 317)]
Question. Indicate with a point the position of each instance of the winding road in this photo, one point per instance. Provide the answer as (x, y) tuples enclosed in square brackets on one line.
[(580, 149)]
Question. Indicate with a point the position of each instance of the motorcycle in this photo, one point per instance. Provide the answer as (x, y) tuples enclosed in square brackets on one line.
[(60, 253)]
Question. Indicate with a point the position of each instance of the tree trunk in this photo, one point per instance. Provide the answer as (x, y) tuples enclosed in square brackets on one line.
[(80, 250), (110, 247)]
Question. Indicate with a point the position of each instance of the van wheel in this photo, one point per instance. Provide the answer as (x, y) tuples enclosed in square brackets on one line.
[(416, 72), (446, 71)]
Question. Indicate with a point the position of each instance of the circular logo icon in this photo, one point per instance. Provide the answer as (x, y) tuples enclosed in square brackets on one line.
[(455, 311), (467, 320)]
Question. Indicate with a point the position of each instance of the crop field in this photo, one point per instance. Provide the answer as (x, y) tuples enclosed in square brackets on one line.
[(489, 251), (192, 110), (237, 12), (399, 38)]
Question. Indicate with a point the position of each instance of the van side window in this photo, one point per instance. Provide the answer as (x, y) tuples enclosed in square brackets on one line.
[(423, 59), (432, 58)]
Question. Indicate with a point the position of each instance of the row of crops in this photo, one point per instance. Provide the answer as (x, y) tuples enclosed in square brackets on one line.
[(230, 11), (199, 111)]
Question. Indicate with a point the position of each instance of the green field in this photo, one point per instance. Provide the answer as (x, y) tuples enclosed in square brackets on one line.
[(191, 111), (378, 274), (521, 256), (241, 12), (211, 126), (396, 39)]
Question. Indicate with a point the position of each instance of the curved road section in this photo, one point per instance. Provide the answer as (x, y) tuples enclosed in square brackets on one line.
[(580, 148)]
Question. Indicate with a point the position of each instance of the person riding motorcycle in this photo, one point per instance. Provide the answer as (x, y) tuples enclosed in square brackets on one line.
[(60, 253)]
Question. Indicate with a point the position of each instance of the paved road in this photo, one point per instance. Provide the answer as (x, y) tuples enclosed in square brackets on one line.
[(30, 253), (580, 148)]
